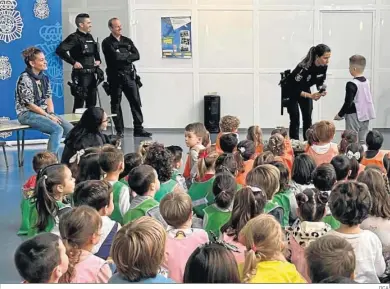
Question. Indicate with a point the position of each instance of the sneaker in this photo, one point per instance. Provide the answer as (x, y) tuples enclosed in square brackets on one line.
[(142, 133)]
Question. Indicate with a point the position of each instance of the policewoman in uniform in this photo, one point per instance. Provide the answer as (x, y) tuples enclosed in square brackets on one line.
[(310, 71), (85, 59), (120, 53)]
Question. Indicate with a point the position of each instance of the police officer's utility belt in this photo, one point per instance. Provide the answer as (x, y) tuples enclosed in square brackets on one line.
[(85, 70)]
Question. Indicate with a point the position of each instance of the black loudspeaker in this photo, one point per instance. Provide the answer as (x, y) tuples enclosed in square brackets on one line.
[(212, 112)]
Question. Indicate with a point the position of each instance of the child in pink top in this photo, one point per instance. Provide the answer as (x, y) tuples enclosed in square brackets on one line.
[(249, 202), (176, 209), (80, 232)]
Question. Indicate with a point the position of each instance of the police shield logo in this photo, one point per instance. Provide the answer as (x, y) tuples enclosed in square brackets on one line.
[(41, 9), (5, 68), (11, 23)]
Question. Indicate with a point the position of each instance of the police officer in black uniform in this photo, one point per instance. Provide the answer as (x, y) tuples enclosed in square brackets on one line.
[(120, 53), (85, 59), (311, 71)]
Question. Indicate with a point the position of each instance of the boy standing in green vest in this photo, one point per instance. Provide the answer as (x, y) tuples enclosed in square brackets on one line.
[(111, 161), (143, 180)]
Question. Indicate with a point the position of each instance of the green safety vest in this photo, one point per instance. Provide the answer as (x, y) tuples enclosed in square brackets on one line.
[(141, 210), (214, 219), (25, 206), (331, 221), (116, 192), (283, 200), (201, 194), (165, 188)]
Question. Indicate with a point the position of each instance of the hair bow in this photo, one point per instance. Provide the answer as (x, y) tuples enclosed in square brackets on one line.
[(76, 157), (351, 155), (254, 189), (242, 150)]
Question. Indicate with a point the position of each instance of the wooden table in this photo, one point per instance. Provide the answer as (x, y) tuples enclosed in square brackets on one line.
[(14, 125)]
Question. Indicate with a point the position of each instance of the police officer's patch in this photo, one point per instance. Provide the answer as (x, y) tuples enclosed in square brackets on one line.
[(308, 78), (298, 77)]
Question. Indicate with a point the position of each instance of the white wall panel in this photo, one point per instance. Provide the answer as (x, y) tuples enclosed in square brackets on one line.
[(225, 39), (148, 39), (285, 37), (162, 2), (382, 100), (384, 43), (225, 2), (236, 91), (286, 2)]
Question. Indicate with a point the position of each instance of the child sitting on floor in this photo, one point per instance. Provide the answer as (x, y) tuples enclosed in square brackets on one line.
[(301, 175), (355, 153), (40, 161), (99, 195), (228, 124), (276, 145), (41, 259), (374, 155), (288, 149), (177, 154), (138, 251), (132, 160), (256, 135), (263, 159), (228, 142), (341, 167), (347, 137), (111, 161), (80, 231), (182, 240), (246, 148)]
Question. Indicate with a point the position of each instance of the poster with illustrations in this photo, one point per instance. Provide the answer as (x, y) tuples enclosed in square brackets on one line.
[(176, 37)]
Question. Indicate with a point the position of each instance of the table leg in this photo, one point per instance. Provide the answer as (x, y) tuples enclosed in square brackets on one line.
[(22, 154)]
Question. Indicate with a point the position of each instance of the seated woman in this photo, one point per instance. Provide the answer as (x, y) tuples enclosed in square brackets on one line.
[(87, 133), (34, 103)]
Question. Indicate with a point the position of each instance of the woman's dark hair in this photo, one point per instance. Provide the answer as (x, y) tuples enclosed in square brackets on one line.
[(232, 163), (247, 149), (132, 160), (248, 203), (378, 185), (315, 51), (224, 188), (36, 258), (46, 198), (284, 175), (350, 202), (374, 140), (263, 159), (312, 204), (89, 167), (355, 154), (95, 194), (341, 166), (303, 169), (29, 54), (160, 159), (324, 177), (347, 137), (90, 122), (211, 263), (140, 179)]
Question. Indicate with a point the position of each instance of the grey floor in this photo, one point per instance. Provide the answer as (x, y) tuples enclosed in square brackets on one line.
[(12, 179)]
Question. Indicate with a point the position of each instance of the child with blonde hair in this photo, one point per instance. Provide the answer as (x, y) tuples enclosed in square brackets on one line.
[(228, 124), (264, 261), (267, 178), (80, 231), (255, 134), (182, 240), (321, 148), (138, 252), (276, 145)]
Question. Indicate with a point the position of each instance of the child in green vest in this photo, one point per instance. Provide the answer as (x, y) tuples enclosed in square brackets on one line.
[(218, 214), (159, 157), (201, 191), (177, 154), (266, 177), (132, 160), (324, 178), (111, 161), (143, 180), (285, 197), (54, 183), (40, 161)]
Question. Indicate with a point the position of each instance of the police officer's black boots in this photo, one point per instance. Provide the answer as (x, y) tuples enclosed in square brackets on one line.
[(141, 133)]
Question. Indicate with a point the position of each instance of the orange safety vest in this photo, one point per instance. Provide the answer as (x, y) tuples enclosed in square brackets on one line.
[(361, 168), (241, 178), (217, 144), (187, 168), (288, 147), (376, 161), (259, 149), (287, 160), (326, 157)]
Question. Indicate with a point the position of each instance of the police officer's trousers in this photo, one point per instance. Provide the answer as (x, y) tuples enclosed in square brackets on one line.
[(88, 82), (306, 105)]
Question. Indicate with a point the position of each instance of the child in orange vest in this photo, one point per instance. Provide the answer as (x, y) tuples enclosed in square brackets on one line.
[(228, 124), (256, 135), (374, 155), (288, 149), (355, 153), (228, 142), (194, 135), (247, 150), (321, 148), (276, 145)]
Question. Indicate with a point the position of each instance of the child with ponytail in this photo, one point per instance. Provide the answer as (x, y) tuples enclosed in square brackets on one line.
[(355, 153), (249, 202), (264, 261), (256, 135), (308, 227), (347, 137), (288, 149), (54, 183), (246, 149), (80, 231), (276, 145), (218, 214)]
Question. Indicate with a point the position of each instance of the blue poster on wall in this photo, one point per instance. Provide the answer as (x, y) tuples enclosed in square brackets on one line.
[(25, 23), (176, 37)]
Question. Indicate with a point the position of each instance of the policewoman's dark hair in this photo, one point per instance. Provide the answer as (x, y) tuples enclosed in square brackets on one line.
[(29, 54), (46, 202), (315, 51)]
